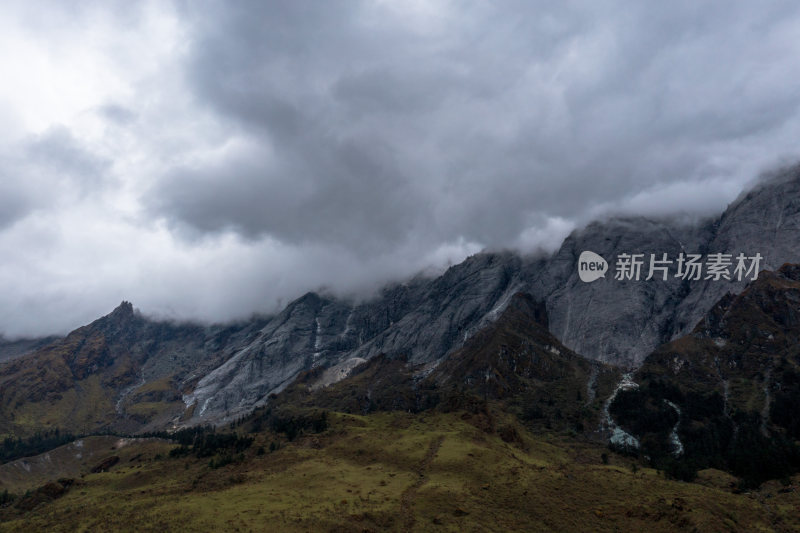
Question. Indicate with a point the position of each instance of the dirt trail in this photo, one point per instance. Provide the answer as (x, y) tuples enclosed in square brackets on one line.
[(407, 499)]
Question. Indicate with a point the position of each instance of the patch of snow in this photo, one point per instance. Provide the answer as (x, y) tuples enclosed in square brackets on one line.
[(347, 327), (205, 405), (676, 364), (677, 445), (591, 385), (317, 337), (338, 372), (126, 392), (619, 436)]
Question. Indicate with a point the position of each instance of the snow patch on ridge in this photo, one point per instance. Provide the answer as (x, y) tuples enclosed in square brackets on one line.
[(620, 437), (338, 372)]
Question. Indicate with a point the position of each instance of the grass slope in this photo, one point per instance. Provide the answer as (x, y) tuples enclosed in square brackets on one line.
[(400, 472)]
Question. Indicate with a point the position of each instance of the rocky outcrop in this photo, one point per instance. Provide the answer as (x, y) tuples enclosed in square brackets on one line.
[(623, 321), (764, 220), (617, 321)]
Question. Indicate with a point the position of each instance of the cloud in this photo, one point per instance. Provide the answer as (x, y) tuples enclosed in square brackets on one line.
[(44, 171), (209, 159), (368, 127)]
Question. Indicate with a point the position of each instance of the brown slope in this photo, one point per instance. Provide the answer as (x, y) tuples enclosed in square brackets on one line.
[(122, 372), (736, 381), (748, 341), (517, 360)]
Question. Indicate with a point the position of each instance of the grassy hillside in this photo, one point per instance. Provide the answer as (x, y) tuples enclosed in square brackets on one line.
[(402, 472), (74, 459)]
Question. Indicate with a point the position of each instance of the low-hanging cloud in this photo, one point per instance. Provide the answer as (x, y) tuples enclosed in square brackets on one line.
[(287, 146)]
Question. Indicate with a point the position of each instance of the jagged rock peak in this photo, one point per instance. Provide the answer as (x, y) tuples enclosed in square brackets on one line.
[(123, 309)]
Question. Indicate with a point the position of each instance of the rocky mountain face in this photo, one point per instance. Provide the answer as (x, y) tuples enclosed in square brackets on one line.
[(728, 394), (515, 360), (144, 373), (764, 220), (122, 372), (421, 321), (623, 321), (618, 321)]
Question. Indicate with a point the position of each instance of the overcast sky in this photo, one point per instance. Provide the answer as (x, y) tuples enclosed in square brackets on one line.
[(206, 160)]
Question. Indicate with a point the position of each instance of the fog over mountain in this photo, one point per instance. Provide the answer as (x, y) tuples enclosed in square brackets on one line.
[(207, 160)]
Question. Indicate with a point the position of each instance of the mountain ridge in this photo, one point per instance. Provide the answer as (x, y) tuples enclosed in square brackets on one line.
[(160, 373)]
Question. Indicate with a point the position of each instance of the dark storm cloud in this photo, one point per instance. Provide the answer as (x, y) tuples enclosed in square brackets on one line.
[(45, 170), (218, 158), (474, 120), (288, 197), (60, 156)]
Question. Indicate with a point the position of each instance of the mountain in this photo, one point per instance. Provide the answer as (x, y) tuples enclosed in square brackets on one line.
[(728, 394), (427, 319), (11, 349), (122, 372), (765, 220), (514, 360), (422, 321), (617, 321), (129, 372)]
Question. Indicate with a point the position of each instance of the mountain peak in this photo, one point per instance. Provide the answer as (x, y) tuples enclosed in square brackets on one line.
[(124, 309)]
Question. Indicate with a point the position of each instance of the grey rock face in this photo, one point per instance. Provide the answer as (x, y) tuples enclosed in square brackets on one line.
[(616, 321), (422, 320), (183, 352), (222, 372), (449, 309), (765, 220)]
